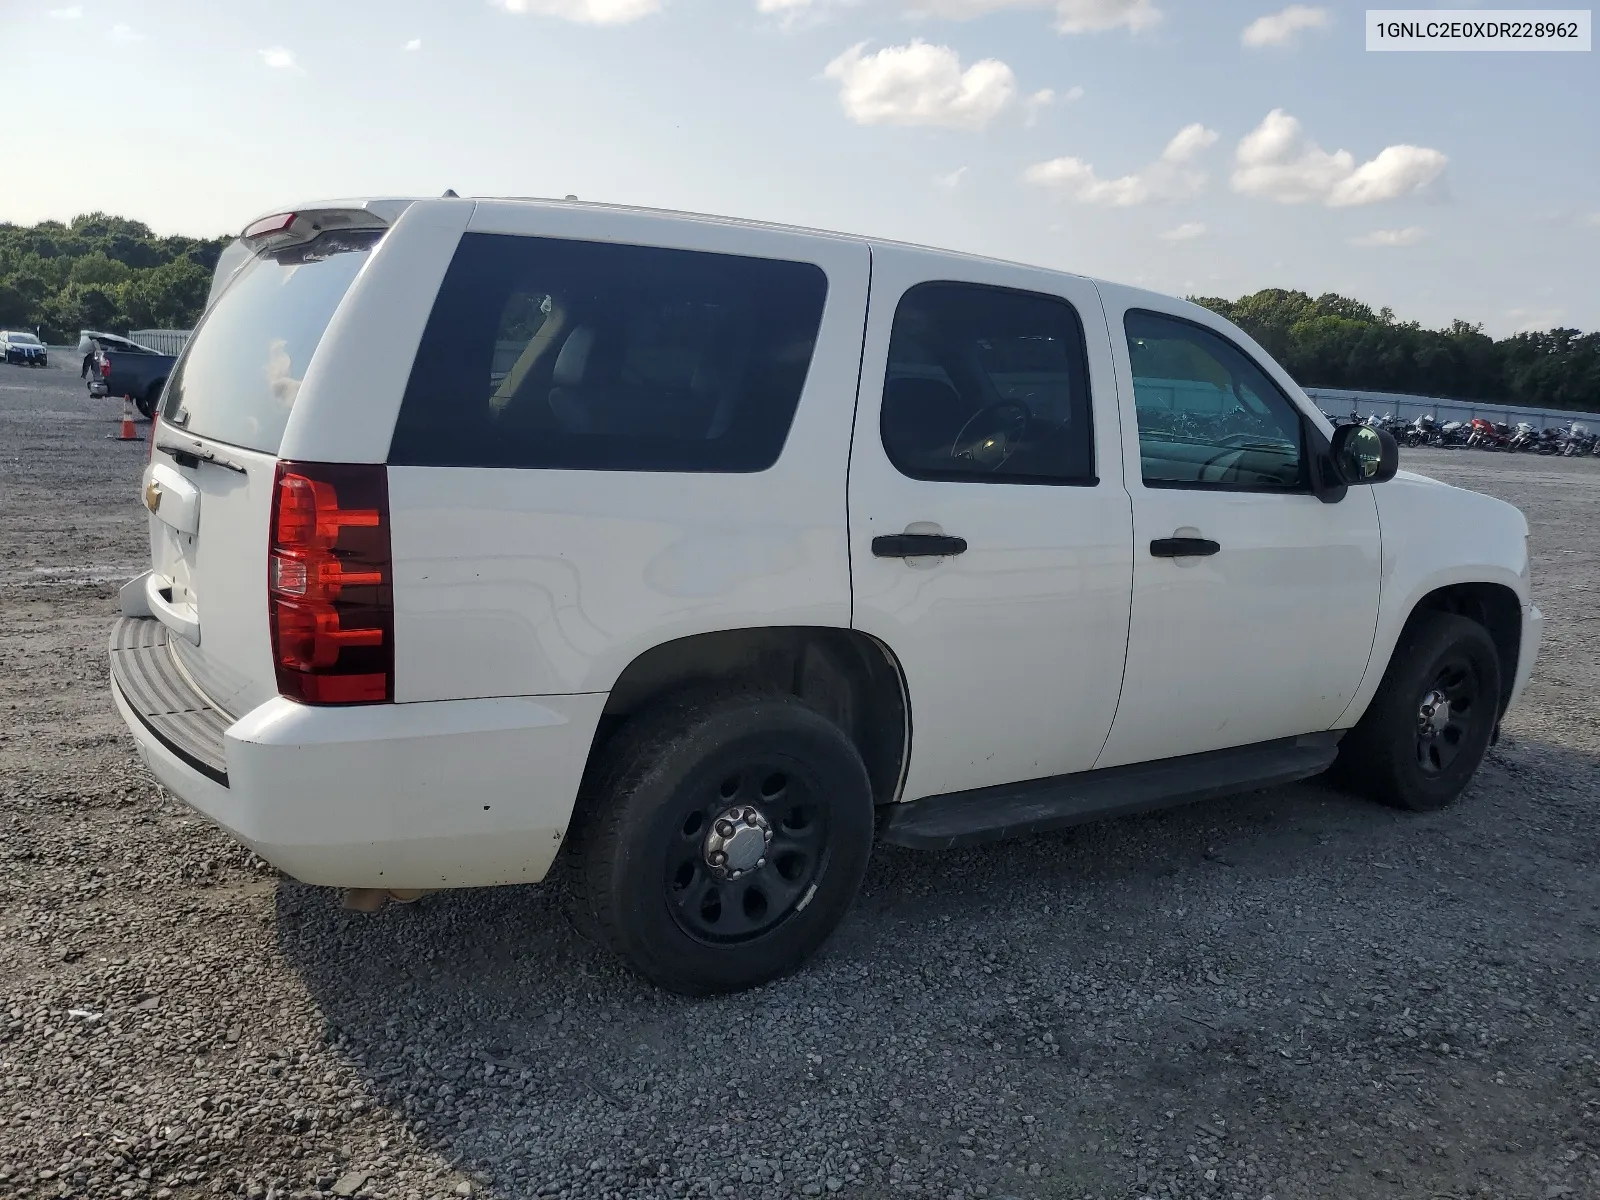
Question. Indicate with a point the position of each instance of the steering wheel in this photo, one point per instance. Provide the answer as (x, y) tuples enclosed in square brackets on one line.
[(992, 449), (1214, 460)]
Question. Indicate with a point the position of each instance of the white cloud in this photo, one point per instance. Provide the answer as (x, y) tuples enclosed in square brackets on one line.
[(1037, 103), (797, 14), (1275, 161), (1173, 176), (952, 180), (125, 33), (413, 44), (1283, 28), (72, 12), (1073, 93), (1186, 232), (921, 84), (1409, 236), (280, 59), (585, 12), (1535, 320), (1072, 16), (1091, 16)]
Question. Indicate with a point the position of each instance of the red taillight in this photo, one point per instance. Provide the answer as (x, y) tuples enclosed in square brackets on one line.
[(330, 587), (105, 366)]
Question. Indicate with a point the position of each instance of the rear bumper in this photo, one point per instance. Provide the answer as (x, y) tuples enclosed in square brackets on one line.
[(459, 793)]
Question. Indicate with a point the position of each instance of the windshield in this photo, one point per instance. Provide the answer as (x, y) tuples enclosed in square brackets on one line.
[(27, 339), (239, 376)]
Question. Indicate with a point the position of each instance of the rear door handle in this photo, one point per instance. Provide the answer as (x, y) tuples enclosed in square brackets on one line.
[(914, 545), (1183, 547)]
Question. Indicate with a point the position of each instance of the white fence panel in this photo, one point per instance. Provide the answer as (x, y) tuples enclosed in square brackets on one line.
[(168, 341)]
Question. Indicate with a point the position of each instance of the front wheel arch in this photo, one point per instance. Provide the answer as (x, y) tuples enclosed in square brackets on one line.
[(1494, 606)]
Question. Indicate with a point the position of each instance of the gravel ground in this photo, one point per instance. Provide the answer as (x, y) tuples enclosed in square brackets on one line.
[(1286, 994)]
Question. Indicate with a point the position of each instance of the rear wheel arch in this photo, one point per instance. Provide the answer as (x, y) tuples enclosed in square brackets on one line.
[(848, 677)]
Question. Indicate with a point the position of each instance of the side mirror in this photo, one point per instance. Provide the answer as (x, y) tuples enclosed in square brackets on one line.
[(1365, 454)]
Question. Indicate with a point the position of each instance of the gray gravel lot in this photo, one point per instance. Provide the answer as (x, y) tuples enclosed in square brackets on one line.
[(1287, 994)]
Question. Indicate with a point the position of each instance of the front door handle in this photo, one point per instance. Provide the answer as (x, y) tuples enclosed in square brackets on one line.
[(1183, 547), (914, 545)]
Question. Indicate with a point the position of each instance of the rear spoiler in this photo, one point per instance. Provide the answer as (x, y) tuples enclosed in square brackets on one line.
[(289, 228)]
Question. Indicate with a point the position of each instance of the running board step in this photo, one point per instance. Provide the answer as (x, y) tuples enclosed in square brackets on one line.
[(989, 814)]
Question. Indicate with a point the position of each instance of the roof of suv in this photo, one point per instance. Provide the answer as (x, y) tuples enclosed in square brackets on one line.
[(390, 208)]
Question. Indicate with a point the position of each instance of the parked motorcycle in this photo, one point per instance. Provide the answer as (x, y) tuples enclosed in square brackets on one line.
[(1552, 438), (1523, 437), (1424, 431), (1578, 440), (1454, 433)]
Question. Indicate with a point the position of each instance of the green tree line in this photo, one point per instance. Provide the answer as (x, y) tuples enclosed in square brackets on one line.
[(101, 272), (1335, 342)]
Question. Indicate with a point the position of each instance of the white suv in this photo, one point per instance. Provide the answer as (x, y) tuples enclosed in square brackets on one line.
[(705, 551)]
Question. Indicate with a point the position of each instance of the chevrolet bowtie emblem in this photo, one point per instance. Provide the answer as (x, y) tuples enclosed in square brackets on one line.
[(152, 495)]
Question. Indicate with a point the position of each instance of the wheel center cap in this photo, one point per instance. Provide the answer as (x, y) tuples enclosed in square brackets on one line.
[(1434, 714), (738, 841)]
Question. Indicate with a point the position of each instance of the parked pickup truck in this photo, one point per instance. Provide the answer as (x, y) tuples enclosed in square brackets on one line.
[(123, 368), (764, 544)]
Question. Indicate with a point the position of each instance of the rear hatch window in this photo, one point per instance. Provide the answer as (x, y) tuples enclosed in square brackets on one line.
[(239, 375)]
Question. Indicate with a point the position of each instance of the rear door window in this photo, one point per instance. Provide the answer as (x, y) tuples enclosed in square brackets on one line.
[(987, 385), (558, 354), (240, 373)]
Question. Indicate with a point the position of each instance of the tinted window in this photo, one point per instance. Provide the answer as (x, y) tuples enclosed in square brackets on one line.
[(239, 375), (986, 384), (1208, 416), (542, 352)]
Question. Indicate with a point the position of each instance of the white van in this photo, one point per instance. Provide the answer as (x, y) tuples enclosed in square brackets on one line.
[(703, 552)]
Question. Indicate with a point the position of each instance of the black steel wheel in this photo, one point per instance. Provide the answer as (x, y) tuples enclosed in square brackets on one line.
[(721, 838), (1430, 724), (750, 847), (1446, 716)]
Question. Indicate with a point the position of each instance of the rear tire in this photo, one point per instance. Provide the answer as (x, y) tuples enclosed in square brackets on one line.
[(146, 404), (1428, 728), (705, 776)]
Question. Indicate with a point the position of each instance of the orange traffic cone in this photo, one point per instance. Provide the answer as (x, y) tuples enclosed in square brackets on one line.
[(127, 433)]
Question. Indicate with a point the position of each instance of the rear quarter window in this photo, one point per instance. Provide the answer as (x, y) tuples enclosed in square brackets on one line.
[(241, 371), (558, 354)]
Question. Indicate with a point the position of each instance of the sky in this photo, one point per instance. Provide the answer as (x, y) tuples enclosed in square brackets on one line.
[(1207, 147)]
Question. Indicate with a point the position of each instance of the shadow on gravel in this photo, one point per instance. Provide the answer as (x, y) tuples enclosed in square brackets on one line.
[(1184, 960)]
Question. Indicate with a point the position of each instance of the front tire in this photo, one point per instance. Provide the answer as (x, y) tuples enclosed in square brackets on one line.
[(721, 840), (1428, 728)]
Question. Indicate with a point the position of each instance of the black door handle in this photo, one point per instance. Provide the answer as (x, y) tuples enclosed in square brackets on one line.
[(1176, 547), (911, 545)]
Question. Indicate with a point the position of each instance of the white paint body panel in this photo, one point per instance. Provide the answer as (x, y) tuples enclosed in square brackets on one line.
[(460, 794), (1012, 652), (1435, 535), (1268, 638), (527, 582), (347, 404)]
